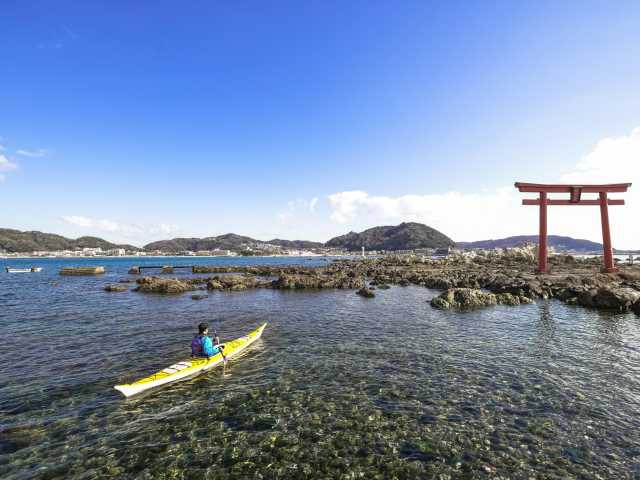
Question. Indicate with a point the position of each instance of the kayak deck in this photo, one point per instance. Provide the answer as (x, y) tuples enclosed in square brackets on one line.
[(190, 367)]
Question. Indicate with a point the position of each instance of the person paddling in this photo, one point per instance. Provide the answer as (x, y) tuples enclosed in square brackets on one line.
[(203, 346)]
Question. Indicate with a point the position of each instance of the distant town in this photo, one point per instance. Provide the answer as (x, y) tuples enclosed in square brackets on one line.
[(258, 250)]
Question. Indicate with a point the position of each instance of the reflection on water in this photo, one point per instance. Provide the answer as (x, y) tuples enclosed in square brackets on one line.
[(339, 386)]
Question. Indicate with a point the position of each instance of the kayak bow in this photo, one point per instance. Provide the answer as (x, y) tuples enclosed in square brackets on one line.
[(190, 367)]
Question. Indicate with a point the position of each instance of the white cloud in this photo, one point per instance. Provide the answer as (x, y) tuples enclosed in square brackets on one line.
[(499, 213), (460, 215), (40, 152), (296, 207), (100, 224), (613, 160), (6, 166), (163, 228)]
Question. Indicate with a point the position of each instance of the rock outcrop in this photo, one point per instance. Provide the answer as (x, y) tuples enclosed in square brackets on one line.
[(463, 299), (366, 292), (621, 299), (163, 285), (298, 281)]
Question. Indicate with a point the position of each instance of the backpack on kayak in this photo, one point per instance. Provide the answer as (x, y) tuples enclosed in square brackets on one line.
[(196, 346)]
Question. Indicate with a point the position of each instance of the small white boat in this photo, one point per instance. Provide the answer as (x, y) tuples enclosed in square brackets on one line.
[(23, 270)]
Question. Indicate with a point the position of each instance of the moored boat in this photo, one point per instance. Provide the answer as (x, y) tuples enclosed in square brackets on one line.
[(23, 270), (191, 366)]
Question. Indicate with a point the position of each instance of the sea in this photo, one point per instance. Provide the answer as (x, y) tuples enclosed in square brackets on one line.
[(339, 386)]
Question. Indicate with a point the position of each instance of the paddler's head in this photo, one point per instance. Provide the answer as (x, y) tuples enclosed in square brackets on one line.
[(203, 329)]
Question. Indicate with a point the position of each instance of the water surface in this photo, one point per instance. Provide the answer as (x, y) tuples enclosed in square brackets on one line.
[(338, 387)]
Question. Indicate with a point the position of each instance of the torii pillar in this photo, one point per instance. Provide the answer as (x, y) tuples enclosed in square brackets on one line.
[(575, 192)]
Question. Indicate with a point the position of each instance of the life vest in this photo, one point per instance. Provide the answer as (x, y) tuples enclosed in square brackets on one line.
[(196, 346)]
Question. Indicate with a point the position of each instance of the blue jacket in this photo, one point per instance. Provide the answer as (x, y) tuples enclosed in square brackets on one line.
[(208, 350)]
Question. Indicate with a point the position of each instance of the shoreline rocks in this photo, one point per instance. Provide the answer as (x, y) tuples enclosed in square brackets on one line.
[(509, 278)]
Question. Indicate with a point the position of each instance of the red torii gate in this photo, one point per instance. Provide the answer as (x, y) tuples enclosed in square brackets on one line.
[(575, 193)]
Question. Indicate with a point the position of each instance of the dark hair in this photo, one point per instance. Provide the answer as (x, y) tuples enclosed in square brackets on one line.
[(202, 327)]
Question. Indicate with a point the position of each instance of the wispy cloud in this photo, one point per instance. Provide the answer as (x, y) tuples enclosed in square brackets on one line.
[(499, 213), (299, 205), (63, 36), (40, 152), (6, 166), (125, 230), (50, 45), (99, 224)]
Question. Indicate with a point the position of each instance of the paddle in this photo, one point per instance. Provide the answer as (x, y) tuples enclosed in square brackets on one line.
[(221, 350), (224, 365)]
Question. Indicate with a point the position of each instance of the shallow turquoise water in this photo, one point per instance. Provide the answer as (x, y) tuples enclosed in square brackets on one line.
[(339, 386)]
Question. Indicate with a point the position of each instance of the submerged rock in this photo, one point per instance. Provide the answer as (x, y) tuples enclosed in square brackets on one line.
[(366, 292), (199, 297), (463, 299), (114, 287)]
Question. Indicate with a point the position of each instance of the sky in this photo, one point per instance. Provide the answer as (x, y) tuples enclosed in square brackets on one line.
[(140, 121)]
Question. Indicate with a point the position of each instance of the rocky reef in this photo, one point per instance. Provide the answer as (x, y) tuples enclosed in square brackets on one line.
[(463, 299), (468, 281)]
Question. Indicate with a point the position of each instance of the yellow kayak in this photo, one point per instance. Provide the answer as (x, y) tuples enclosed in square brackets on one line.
[(190, 367)]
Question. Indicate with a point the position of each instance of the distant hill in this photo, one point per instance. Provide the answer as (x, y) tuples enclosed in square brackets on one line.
[(15, 241), (406, 236), (555, 241), (299, 244), (229, 241)]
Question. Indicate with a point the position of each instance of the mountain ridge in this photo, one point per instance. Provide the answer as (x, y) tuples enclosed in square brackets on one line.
[(405, 236), (558, 242), (16, 241)]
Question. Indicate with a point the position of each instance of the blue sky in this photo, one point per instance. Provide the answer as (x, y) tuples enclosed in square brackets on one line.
[(137, 121)]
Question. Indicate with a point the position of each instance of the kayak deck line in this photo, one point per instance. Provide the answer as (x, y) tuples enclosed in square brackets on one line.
[(191, 367)]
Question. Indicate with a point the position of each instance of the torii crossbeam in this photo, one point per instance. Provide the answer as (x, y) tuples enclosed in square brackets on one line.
[(575, 198)]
